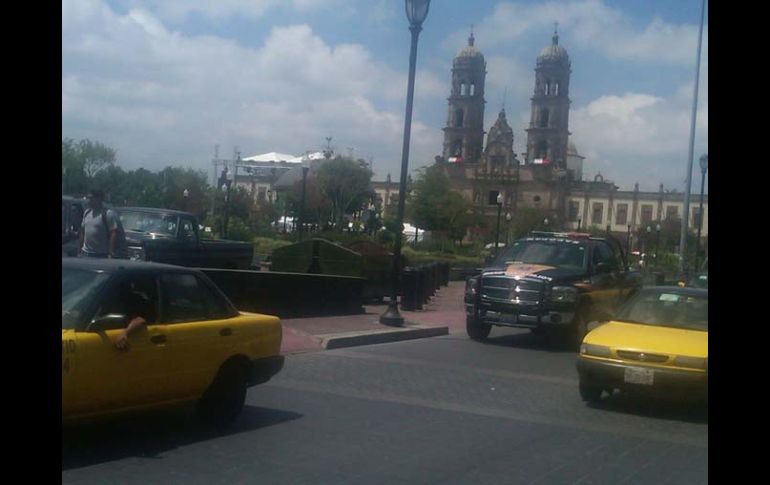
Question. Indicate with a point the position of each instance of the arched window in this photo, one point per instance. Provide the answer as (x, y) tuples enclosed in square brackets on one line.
[(458, 118), (457, 148), (556, 89), (544, 118), (473, 89), (463, 89), (542, 149), (547, 84)]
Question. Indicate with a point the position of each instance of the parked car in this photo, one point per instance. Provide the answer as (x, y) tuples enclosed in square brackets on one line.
[(172, 237), (656, 344), (554, 283), (196, 347)]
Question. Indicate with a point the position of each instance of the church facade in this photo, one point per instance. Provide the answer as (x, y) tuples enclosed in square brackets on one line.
[(549, 176)]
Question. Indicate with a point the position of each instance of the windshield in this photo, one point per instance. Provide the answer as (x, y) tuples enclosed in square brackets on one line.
[(149, 222), (669, 309), (78, 288), (562, 254)]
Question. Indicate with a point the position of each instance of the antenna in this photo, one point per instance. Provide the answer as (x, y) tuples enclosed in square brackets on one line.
[(505, 95)]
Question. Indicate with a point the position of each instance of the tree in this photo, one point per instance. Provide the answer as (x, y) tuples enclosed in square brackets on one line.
[(434, 206), (344, 183)]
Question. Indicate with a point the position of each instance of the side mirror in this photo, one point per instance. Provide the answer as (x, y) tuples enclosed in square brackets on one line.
[(111, 321)]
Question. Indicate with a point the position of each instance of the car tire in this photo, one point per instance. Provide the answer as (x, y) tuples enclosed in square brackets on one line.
[(224, 399), (589, 393), (477, 331)]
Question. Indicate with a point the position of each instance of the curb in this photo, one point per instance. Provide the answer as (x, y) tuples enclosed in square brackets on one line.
[(368, 337)]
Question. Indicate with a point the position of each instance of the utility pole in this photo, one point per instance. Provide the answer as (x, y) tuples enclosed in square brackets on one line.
[(688, 183)]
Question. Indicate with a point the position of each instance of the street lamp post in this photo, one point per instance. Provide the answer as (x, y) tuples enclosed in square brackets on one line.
[(579, 222), (499, 209), (226, 190), (628, 242), (305, 169), (657, 243), (507, 227), (704, 166), (186, 195), (416, 11), (545, 223), (647, 245)]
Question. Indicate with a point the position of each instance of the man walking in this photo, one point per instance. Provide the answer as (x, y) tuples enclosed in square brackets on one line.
[(99, 230)]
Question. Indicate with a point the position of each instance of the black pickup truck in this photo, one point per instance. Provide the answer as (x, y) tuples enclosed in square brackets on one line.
[(551, 283), (172, 237)]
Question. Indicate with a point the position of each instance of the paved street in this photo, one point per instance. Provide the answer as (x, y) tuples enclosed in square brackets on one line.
[(435, 410)]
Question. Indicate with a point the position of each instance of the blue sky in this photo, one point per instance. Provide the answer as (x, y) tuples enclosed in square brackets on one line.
[(163, 81)]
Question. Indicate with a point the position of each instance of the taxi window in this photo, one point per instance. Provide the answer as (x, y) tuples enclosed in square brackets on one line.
[(134, 295), (183, 300)]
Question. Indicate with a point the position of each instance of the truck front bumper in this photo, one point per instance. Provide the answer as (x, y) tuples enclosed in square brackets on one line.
[(529, 316)]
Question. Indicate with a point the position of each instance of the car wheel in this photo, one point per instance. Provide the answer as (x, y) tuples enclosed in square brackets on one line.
[(590, 393), (223, 400), (476, 330)]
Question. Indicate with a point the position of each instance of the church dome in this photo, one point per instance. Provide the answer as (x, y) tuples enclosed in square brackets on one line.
[(469, 50), (553, 52)]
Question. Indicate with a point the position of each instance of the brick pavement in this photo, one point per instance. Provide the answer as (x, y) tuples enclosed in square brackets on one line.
[(445, 309)]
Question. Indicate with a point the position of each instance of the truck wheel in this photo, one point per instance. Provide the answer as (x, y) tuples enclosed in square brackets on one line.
[(589, 393), (476, 330), (223, 400)]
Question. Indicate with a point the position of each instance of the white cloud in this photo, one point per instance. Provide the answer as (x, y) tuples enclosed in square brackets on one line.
[(638, 137), (130, 81), (588, 24)]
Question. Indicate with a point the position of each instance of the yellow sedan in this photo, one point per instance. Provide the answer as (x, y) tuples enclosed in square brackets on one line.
[(139, 336), (657, 344)]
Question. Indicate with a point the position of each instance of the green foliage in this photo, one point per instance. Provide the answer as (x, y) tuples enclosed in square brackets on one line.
[(434, 206), (345, 183), (81, 161), (239, 230), (524, 220)]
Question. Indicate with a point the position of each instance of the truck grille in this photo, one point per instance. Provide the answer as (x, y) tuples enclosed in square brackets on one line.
[(504, 288)]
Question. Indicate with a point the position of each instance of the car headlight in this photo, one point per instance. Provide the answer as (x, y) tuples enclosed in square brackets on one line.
[(691, 362), (470, 286), (595, 350), (136, 254), (563, 294)]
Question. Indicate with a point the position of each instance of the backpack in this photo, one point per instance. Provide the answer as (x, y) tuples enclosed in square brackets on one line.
[(121, 246)]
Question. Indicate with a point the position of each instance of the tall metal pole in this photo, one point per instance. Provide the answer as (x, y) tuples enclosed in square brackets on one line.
[(391, 315), (685, 216), (302, 205), (497, 236), (700, 216)]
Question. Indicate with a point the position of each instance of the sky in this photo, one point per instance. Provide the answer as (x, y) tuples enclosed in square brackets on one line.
[(165, 81)]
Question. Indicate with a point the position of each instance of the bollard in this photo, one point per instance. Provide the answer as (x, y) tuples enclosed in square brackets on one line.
[(419, 288), (407, 289), (434, 276), (446, 273), (425, 284)]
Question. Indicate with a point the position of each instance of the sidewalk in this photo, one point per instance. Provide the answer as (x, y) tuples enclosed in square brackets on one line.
[(443, 314)]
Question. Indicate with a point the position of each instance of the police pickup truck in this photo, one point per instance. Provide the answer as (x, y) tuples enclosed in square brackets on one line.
[(551, 283)]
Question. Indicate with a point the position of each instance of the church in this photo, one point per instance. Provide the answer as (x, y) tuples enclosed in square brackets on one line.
[(549, 174)]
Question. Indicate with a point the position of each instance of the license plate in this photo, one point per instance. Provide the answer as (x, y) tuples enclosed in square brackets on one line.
[(638, 375), (508, 318)]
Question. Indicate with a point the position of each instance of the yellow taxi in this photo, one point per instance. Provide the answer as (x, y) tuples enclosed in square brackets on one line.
[(656, 344), (139, 336)]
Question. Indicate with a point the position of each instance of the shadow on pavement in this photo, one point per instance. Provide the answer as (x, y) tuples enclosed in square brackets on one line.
[(530, 341), (649, 407), (148, 436)]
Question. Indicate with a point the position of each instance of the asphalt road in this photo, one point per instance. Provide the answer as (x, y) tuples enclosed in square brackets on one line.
[(437, 410)]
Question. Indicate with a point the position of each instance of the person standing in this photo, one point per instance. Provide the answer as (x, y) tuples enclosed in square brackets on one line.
[(99, 230)]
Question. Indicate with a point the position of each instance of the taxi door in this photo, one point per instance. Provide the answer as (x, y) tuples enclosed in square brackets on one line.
[(199, 339), (68, 367), (109, 379)]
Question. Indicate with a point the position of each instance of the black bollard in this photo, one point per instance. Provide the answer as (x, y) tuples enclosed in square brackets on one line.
[(408, 289), (419, 288)]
